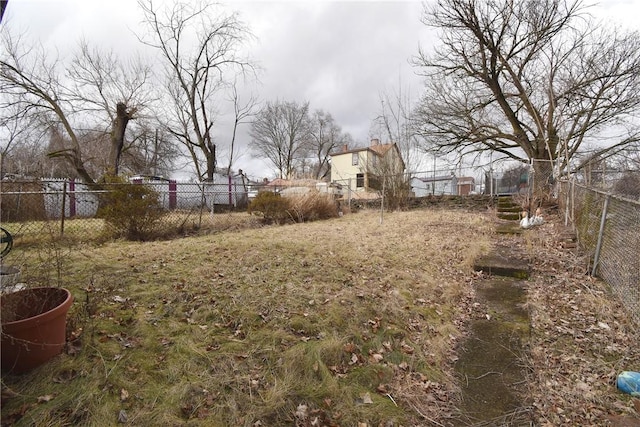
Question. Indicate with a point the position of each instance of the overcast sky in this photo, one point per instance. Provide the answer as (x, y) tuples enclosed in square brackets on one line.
[(337, 55)]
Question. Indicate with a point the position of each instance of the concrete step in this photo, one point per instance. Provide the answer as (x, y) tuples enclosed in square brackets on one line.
[(502, 261), (511, 216), (512, 227), (513, 208)]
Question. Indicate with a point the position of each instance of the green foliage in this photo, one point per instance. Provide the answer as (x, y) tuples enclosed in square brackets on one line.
[(130, 210), (272, 206)]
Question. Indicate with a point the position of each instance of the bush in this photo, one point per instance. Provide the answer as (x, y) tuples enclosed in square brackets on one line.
[(301, 208), (312, 207), (272, 206), (130, 210)]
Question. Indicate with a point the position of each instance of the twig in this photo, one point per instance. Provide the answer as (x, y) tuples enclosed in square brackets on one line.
[(425, 417), (394, 402), (485, 374)]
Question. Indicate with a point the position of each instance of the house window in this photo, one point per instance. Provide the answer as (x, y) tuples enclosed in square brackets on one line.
[(354, 159), (360, 180)]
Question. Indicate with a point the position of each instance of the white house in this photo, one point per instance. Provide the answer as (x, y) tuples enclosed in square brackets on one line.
[(357, 170)]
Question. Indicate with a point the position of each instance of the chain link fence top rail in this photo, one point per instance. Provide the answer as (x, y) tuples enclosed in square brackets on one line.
[(608, 230)]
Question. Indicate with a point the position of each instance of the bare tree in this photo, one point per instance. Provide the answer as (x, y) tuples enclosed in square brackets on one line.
[(97, 90), (200, 47), (152, 152), (396, 123), (386, 173), (531, 79), (324, 137), (114, 89), (12, 133), (242, 112), (280, 133)]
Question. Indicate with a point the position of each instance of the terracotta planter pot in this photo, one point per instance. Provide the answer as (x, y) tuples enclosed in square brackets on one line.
[(33, 327)]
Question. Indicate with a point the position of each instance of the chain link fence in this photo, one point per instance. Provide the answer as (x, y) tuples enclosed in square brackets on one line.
[(69, 208), (608, 230)]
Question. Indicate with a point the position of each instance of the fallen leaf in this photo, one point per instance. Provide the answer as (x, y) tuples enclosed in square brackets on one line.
[(45, 398), (383, 388), (350, 347), (122, 417), (354, 359), (124, 394), (603, 325), (407, 349), (376, 358), (366, 399), (302, 412)]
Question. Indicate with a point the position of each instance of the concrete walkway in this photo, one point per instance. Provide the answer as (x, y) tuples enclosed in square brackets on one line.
[(490, 366)]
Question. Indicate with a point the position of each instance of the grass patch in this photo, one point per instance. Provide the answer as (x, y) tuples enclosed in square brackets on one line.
[(344, 320)]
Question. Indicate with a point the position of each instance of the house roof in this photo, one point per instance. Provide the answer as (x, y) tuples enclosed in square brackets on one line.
[(380, 149)]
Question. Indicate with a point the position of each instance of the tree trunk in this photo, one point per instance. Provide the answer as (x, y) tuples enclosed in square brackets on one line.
[(117, 137), (543, 180), (211, 159)]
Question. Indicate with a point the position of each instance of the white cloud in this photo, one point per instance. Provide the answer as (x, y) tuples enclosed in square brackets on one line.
[(337, 55)]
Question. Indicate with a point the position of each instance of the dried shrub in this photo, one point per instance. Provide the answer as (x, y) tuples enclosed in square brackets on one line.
[(130, 210), (312, 206), (22, 201), (272, 206)]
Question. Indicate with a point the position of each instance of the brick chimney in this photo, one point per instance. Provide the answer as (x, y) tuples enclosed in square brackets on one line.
[(345, 148), (374, 142)]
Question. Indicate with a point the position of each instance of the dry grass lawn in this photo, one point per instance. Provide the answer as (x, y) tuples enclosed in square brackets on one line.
[(337, 322)]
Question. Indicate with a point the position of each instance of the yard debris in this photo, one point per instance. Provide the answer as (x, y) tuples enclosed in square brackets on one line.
[(365, 399), (580, 336), (122, 417), (46, 398), (629, 382), (302, 412)]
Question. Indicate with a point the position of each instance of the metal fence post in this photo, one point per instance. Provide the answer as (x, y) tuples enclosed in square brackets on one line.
[(202, 203), (596, 257), (384, 178), (64, 199)]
